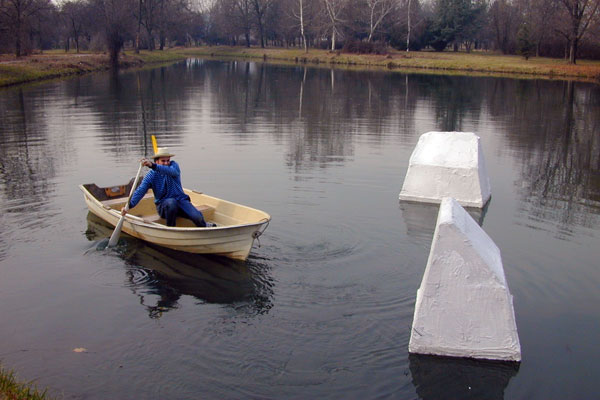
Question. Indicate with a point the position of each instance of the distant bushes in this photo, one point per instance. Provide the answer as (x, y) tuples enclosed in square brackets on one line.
[(360, 47)]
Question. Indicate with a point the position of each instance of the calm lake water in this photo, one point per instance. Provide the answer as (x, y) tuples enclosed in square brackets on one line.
[(323, 308)]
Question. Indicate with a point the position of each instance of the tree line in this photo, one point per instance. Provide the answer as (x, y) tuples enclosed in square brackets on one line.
[(556, 28)]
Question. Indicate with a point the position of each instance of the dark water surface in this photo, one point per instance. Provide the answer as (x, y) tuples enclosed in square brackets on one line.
[(323, 309)]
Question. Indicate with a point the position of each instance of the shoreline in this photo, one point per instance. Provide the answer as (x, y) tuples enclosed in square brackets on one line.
[(55, 64), (11, 388), (424, 62), (58, 64)]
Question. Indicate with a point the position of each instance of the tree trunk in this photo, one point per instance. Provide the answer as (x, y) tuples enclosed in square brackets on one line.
[(150, 39), (262, 35), (302, 27), (18, 41), (139, 28), (573, 52), (114, 44), (408, 34), (332, 39), (114, 57)]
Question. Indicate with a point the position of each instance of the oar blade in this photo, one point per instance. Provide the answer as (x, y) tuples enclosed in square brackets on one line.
[(114, 238), (154, 144)]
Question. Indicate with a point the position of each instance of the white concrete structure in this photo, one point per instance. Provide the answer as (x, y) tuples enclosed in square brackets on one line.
[(447, 164), (464, 307)]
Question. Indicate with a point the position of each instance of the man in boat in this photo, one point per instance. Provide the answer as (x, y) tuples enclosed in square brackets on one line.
[(164, 178)]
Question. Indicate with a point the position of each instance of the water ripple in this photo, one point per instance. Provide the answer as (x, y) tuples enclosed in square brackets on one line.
[(304, 246)]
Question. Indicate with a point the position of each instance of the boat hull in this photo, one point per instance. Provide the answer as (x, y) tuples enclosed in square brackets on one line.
[(232, 238)]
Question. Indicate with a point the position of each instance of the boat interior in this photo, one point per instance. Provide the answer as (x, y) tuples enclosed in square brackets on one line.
[(221, 212)]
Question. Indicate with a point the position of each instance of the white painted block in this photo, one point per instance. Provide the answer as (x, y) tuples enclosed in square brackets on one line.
[(447, 164), (464, 307)]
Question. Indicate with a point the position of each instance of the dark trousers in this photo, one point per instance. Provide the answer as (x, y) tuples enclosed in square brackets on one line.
[(170, 209)]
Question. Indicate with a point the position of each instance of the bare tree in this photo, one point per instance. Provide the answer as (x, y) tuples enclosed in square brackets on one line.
[(167, 11), (187, 25), (261, 7), (580, 13), (334, 10), (301, 17), (541, 15), (378, 10), (18, 16), (75, 16), (506, 19), (244, 13), (139, 26), (408, 26), (411, 20), (149, 19), (114, 20), (226, 23)]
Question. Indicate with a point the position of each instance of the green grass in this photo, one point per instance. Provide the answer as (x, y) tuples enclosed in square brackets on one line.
[(475, 63), (37, 69), (157, 56), (10, 74), (11, 389), (56, 63)]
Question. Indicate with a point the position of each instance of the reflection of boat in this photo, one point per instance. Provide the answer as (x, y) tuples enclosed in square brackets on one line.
[(237, 225), (442, 378), (173, 273)]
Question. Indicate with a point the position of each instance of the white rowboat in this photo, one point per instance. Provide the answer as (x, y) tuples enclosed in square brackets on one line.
[(233, 237)]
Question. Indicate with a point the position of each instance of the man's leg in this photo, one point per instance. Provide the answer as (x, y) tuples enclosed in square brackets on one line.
[(167, 209), (187, 210)]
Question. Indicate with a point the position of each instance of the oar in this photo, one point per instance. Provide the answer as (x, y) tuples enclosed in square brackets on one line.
[(114, 238)]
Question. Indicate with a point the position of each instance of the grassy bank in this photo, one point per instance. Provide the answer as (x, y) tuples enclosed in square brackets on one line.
[(11, 389), (56, 64), (476, 63)]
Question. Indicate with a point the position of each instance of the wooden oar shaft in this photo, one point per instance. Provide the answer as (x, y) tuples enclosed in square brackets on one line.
[(114, 238)]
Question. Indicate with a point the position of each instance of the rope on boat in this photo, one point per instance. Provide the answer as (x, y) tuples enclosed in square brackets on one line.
[(258, 232)]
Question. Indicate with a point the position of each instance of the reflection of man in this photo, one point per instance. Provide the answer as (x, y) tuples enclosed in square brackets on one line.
[(168, 301), (164, 179)]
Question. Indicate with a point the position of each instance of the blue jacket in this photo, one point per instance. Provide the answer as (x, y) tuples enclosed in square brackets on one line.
[(165, 182)]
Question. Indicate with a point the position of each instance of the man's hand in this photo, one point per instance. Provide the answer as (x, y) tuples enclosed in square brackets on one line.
[(146, 163), (123, 211)]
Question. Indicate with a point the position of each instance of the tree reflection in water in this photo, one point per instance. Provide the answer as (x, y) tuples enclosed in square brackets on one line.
[(561, 160), (552, 128)]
